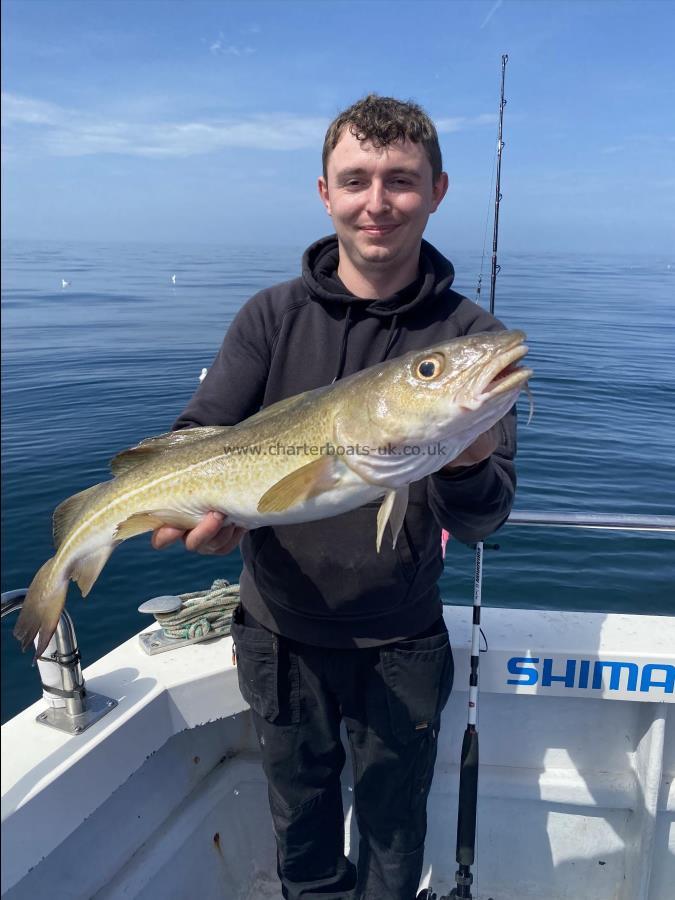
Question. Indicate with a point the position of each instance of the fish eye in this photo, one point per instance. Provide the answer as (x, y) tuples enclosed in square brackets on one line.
[(429, 367)]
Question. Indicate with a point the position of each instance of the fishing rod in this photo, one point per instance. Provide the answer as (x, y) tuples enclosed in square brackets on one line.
[(495, 269), (468, 771), (498, 193)]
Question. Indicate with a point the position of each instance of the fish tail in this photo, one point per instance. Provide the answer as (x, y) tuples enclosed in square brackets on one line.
[(42, 607)]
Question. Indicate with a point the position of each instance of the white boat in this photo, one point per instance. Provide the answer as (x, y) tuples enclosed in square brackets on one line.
[(163, 797)]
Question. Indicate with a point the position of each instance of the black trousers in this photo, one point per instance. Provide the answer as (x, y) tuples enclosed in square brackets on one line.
[(390, 699)]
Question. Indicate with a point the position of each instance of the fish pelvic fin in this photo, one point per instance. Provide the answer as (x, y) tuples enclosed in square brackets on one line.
[(68, 512), (308, 481), (42, 607), (152, 447), (393, 510), (87, 569)]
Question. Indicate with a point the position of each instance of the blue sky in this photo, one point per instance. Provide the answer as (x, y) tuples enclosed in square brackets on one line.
[(203, 121)]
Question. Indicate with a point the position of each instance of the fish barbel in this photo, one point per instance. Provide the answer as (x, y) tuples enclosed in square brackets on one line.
[(312, 456)]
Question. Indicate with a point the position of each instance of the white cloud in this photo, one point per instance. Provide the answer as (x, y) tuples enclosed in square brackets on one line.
[(28, 111), (59, 131), (218, 48), (42, 127), (221, 47)]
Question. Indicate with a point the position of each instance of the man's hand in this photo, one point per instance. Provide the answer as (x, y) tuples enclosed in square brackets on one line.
[(209, 537), (484, 446)]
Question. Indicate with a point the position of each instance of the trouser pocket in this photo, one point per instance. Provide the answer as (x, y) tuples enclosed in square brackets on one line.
[(267, 672), (418, 675)]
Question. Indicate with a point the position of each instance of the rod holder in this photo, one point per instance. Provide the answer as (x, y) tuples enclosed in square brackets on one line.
[(72, 708)]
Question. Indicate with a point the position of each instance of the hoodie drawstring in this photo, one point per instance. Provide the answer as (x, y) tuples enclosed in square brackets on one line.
[(343, 345), (394, 332), (393, 335)]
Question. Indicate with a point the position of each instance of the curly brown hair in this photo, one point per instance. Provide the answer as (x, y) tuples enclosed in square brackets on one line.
[(383, 121)]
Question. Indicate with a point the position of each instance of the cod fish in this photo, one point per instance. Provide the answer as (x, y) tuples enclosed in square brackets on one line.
[(309, 457)]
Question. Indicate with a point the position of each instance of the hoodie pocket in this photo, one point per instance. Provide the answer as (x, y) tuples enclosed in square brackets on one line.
[(330, 566)]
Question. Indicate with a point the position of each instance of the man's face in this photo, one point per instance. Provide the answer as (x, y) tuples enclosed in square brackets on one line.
[(380, 200)]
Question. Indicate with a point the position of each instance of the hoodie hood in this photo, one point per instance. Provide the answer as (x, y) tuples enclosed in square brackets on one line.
[(319, 273)]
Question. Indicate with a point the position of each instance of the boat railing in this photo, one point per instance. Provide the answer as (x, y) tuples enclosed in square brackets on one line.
[(72, 708), (602, 521)]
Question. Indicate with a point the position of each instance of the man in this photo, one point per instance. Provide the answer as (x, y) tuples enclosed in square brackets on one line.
[(330, 631)]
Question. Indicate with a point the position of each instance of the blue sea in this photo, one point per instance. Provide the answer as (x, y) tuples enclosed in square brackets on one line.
[(112, 357)]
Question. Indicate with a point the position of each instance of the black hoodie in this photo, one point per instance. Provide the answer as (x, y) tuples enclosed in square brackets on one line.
[(323, 582)]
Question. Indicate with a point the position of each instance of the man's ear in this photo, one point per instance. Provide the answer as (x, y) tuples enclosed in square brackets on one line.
[(440, 189), (322, 185)]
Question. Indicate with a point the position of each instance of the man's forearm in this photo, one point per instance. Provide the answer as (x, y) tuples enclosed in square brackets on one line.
[(471, 501)]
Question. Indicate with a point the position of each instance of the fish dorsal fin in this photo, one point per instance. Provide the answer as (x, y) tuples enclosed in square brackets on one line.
[(67, 513), (286, 406), (308, 481), (129, 459), (150, 447), (393, 510), (183, 436)]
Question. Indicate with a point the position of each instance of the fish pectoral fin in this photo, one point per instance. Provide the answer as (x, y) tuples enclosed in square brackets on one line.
[(87, 569), (151, 447), (310, 480), (139, 523), (393, 510)]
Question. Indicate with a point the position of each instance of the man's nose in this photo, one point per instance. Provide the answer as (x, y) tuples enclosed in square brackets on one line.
[(378, 199)]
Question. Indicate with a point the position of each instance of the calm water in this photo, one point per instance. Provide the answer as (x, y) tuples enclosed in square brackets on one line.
[(94, 367)]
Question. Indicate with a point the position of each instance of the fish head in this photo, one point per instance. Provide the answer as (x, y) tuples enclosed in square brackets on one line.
[(449, 393), (468, 375)]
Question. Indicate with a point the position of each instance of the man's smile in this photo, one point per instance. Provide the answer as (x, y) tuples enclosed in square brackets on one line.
[(378, 230)]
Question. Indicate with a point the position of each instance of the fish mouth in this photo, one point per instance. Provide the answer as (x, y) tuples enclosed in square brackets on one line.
[(501, 376), (505, 374)]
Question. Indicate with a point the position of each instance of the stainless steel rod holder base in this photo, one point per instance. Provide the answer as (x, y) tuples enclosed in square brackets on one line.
[(57, 717)]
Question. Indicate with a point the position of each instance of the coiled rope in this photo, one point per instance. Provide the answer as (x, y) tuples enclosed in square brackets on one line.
[(202, 613)]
